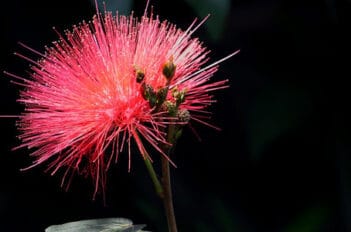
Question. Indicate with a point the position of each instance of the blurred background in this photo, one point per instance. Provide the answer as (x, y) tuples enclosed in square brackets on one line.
[(282, 161)]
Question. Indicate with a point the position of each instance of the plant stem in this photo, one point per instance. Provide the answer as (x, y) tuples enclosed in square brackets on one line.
[(164, 188), (166, 183), (158, 187), (167, 196)]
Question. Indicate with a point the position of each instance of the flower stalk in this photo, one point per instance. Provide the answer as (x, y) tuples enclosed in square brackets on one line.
[(163, 188), (166, 183), (167, 196), (157, 184)]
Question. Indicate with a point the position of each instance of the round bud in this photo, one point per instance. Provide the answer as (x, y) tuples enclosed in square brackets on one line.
[(139, 75), (169, 69), (183, 115)]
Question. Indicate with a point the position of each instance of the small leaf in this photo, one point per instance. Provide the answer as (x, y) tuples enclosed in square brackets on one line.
[(97, 225)]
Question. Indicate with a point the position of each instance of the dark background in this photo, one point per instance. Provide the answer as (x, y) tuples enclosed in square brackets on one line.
[(282, 161)]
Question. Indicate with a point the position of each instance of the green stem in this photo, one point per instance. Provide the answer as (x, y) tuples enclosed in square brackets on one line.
[(167, 196), (166, 183), (158, 187), (164, 189)]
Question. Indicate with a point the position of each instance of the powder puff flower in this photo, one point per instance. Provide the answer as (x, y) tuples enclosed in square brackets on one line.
[(111, 83)]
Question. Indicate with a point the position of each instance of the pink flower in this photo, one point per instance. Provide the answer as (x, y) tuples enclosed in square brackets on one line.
[(98, 90)]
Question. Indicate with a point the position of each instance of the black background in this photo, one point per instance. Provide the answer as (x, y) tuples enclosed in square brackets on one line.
[(282, 161)]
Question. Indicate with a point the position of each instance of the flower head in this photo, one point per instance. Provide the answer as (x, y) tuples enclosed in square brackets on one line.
[(109, 83)]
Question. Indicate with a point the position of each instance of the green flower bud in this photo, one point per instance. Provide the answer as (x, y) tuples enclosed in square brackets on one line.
[(161, 95), (139, 75), (170, 107), (179, 96), (149, 94), (169, 69)]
